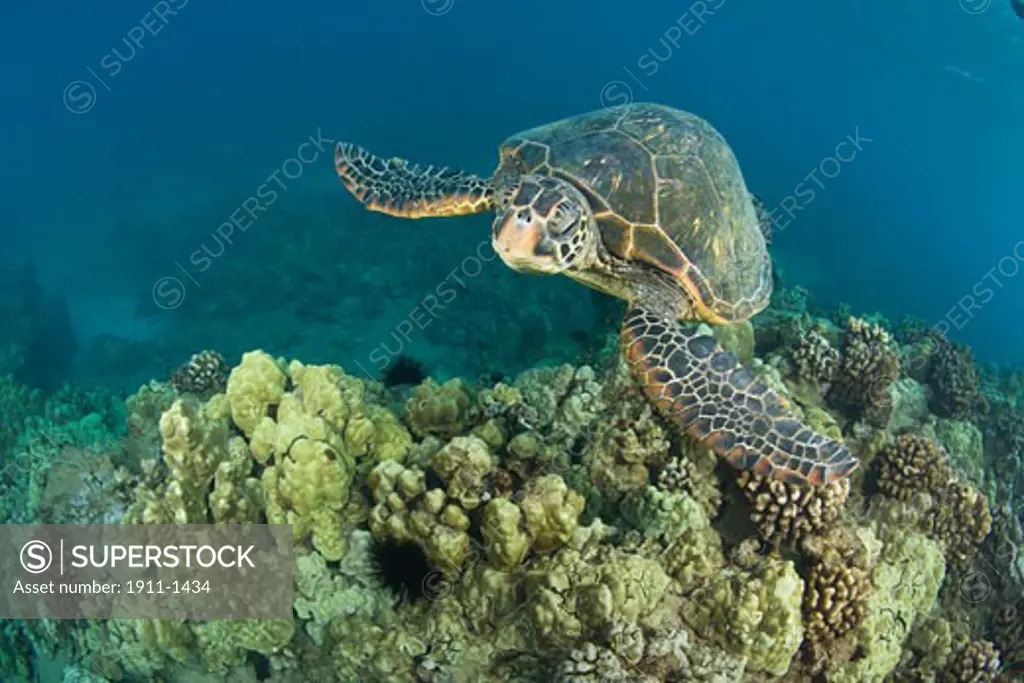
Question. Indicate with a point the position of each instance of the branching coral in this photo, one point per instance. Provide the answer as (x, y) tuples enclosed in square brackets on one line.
[(953, 377), (976, 663), (955, 514), (816, 361), (906, 584), (205, 374), (868, 367), (961, 522), (785, 512), (838, 588), (912, 465), (1008, 628)]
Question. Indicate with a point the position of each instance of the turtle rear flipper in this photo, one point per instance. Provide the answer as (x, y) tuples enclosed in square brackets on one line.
[(398, 188), (704, 388)]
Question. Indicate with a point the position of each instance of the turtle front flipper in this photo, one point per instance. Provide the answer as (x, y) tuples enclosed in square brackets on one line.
[(398, 188), (704, 389)]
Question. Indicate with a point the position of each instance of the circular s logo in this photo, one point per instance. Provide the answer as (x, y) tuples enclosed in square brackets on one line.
[(615, 95), (36, 557), (79, 97)]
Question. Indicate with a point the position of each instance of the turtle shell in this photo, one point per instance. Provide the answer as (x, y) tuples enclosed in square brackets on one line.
[(667, 192)]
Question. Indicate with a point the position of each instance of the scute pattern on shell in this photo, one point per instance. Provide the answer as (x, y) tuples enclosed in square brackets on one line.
[(667, 191)]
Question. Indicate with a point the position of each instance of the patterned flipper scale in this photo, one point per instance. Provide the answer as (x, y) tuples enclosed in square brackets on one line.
[(398, 188), (709, 393)]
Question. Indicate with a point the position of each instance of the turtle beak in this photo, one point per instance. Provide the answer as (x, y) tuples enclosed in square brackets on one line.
[(519, 238)]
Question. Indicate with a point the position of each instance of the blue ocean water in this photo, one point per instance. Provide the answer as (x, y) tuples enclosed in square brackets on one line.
[(135, 130)]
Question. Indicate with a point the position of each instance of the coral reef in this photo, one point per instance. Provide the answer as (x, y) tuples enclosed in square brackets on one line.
[(442, 410), (976, 663), (755, 615), (953, 377), (906, 582), (815, 359), (205, 374), (868, 367), (912, 465), (916, 469), (547, 527), (839, 587), (785, 512), (1008, 629)]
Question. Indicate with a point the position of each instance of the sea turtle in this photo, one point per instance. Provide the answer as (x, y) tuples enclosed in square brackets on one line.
[(646, 203)]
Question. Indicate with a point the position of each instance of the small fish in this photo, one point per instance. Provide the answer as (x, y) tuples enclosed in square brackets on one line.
[(962, 72), (1018, 7)]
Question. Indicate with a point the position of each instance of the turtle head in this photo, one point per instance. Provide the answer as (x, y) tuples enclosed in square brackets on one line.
[(544, 225)]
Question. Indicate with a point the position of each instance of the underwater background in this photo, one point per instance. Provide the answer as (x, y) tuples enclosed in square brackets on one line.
[(107, 201), (886, 139)]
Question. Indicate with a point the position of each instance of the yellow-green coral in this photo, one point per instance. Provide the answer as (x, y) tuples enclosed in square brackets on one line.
[(391, 440), (623, 450), (195, 441), (406, 512), (505, 537), (464, 464), (223, 644), (236, 497), (573, 595), (253, 386), (308, 488), (754, 615), (444, 410), (323, 594), (551, 511), (662, 514), (199, 451), (906, 583), (663, 601), (695, 555)]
